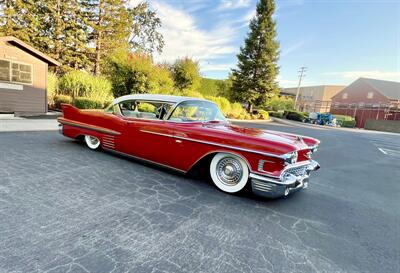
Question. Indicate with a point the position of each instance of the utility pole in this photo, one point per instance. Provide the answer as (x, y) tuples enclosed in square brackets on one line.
[(301, 72)]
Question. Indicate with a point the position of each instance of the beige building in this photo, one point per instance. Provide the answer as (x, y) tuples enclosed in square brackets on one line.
[(314, 98), (23, 77)]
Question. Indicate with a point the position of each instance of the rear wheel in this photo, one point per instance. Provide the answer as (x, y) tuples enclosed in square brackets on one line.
[(229, 172), (92, 142)]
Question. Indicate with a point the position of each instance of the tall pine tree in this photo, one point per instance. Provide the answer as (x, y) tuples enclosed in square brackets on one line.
[(19, 18), (254, 79)]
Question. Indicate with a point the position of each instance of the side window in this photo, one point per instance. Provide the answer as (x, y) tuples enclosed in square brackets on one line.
[(127, 108), (146, 107), (191, 111)]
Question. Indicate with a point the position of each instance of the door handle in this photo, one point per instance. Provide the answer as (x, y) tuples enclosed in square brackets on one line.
[(178, 141)]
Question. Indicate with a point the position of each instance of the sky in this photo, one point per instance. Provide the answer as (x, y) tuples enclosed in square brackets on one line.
[(337, 40)]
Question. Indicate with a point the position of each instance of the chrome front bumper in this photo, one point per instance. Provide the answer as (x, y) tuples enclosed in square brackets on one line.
[(292, 179)]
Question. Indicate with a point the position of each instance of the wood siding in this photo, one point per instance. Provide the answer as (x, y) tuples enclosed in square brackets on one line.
[(31, 99)]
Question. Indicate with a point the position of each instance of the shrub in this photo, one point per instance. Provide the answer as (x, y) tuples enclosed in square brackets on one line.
[(189, 93), (52, 88), (343, 117), (294, 115), (345, 121), (86, 103), (210, 87), (262, 114), (276, 114), (280, 103), (58, 99), (222, 103), (348, 123), (80, 84)]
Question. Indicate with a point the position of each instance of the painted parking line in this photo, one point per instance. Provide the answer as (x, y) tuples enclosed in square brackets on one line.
[(387, 147), (382, 150)]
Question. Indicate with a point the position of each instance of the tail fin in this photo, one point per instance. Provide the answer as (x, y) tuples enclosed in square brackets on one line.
[(69, 111)]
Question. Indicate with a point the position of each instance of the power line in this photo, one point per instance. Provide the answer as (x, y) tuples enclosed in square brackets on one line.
[(302, 74)]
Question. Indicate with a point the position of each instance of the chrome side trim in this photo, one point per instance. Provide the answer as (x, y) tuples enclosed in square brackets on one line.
[(214, 144), (87, 126), (145, 160)]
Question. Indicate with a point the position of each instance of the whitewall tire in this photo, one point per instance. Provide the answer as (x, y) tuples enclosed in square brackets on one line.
[(92, 142), (229, 172)]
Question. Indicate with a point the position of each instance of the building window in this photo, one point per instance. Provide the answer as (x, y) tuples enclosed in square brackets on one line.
[(15, 72), (370, 95), (344, 96), (4, 70)]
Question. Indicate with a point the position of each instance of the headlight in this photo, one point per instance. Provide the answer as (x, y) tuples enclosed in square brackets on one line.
[(290, 158)]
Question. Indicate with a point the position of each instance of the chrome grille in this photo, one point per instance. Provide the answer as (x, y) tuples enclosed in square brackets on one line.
[(109, 142), (297, 171), (261, 186)]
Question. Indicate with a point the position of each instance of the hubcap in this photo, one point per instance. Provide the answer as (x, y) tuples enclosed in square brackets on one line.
[(93, 140), (229, 171)]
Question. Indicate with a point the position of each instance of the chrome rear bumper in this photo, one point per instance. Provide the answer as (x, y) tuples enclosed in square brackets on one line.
[(292, 179)]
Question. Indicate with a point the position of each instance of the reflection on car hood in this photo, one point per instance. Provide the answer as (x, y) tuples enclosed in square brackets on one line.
[(258, 134)]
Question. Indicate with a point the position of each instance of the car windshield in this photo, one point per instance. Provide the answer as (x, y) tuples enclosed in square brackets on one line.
[(190, 111)]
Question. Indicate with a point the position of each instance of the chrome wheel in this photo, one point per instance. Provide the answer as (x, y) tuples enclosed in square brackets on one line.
[(92, 142), (229, 172)]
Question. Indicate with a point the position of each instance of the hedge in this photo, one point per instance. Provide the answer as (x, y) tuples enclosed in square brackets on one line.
[(85, 103), (345, 121), (294, 115), (275, 114), (58, 99)]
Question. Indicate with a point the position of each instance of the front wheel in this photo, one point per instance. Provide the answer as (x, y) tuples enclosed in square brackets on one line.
[(229, 172), (92, 142)]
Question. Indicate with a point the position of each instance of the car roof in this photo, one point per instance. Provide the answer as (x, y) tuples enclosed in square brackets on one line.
[(155, 97)]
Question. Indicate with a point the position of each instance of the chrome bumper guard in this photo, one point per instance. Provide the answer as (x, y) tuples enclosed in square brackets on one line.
[(292, 179), (61, 128)]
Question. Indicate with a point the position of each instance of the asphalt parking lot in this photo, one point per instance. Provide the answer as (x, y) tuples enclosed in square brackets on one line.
[(64, 208)]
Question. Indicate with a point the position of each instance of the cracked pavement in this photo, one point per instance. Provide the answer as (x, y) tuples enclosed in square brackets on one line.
[(64, 208)]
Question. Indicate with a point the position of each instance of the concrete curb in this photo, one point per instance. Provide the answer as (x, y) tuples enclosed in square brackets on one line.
[(322, 127), (251, 120)]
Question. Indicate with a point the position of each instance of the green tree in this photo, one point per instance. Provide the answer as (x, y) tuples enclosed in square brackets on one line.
[(144, 24), (132, 73), (63, 33), (19, 18), (224, 88), (254, 79), (186, 73), (115, 25), (52, 26), (109, 24)]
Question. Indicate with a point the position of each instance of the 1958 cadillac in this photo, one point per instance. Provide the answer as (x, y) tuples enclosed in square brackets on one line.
[(182, 132)]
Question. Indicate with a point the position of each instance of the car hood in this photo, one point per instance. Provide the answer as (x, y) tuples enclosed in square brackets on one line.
[(266, 140)]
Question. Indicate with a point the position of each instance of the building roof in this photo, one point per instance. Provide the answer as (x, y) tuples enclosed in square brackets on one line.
[(24, 46), (154, 97), (389, 89)]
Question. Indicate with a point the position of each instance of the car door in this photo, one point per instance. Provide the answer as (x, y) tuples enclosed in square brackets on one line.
[(149, 138)]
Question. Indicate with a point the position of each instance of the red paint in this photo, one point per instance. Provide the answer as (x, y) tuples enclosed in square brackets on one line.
[(181, 145)]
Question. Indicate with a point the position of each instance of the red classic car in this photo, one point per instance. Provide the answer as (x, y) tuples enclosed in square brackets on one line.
[(182, 132)]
